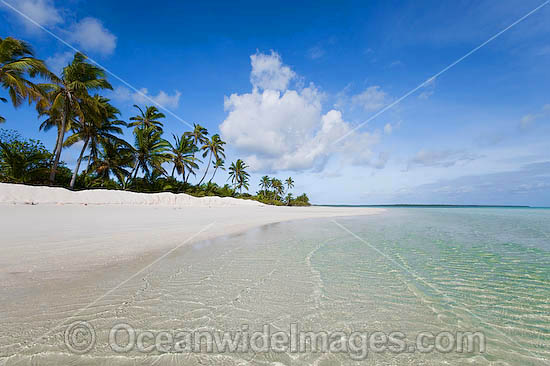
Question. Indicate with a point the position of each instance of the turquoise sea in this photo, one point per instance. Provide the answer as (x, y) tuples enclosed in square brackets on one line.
[(407, 270)]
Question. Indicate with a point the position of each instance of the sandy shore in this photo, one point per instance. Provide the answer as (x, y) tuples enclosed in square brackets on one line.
[(64, 233)]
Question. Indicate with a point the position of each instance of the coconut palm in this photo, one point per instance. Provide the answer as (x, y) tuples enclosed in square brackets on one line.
[(277, 186), (149, 118), (288, 198), (182, 154), (198, 135), (289, 183), (68, 93), (113, 158), (239, 176), (16, 63), (212, 148), (150, 151), (265, 185), (99, 127)]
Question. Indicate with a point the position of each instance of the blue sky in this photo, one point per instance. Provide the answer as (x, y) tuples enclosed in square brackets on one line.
[(282, 82)]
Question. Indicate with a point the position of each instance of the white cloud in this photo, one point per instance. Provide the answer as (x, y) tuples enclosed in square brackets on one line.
[(41, 11), (268, 72), (143, 97), (58, 61), (287, 129), (371, 99), (92, 36)]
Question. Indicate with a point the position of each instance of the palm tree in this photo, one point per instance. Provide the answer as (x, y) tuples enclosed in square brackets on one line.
[(265, 183), (198, 135), (288, 198), (68, 93), (238, 175), (219, 163), (277, 187), (289, 183), (108, 125), (99, 127), (150, 151), (182, 155), (16, 62), (213, 148), (149, 118), (113, 158)]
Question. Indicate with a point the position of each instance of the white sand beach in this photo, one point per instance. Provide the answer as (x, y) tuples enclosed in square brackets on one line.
[(52, 233)]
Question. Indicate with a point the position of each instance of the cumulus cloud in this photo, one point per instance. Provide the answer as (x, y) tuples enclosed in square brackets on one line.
[(143, 97), (91, 35), (283, 129), (444, 158), (268, 72), (41, 11), (371, 99), (58, 61)]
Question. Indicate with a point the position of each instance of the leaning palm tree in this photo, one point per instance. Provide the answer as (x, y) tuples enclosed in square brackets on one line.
[(289, 183), (148, 118), (68, 93), (150, 151), (218, 164), (212, 148), (239, 176), (16, 63), (182, 154), (99, 127)]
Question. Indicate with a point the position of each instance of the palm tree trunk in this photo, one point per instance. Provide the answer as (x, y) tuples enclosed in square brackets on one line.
[(208, 166), (59, 146), (136, 170), (89, 162), (215, 170), (75, 173)]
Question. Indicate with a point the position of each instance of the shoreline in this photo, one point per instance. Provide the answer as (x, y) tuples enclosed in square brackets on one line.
[(62, 240)]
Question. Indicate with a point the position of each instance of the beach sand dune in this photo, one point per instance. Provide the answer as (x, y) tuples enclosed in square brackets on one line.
[(53, 232)]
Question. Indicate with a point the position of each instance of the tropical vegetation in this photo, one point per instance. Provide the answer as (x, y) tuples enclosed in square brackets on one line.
[(71, 104)]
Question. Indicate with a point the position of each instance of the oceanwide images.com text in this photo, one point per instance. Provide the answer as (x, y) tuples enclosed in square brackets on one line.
[(80, 338)]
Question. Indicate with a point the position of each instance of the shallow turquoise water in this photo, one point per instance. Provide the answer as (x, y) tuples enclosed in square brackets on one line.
[(407, 270)]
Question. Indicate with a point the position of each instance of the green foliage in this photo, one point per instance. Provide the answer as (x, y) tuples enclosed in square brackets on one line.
[(22, 160), (151, 164), (301, 200), (272, 193)]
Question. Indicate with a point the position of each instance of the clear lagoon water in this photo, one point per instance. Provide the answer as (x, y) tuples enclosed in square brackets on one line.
[(408, 270)]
